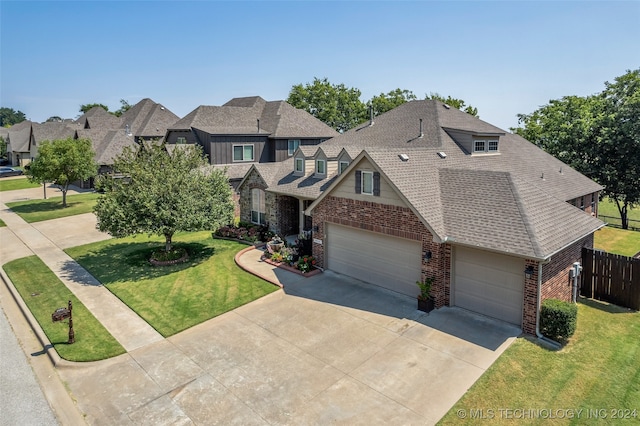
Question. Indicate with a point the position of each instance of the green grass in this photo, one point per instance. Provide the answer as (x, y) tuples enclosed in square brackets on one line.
[(618, 241), (2, 223), (606, 207), (43, 293), (598, 369), (38, 210), (173, 298), (13, 184)]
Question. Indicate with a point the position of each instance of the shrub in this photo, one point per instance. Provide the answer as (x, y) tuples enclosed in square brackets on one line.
[(558, 319)]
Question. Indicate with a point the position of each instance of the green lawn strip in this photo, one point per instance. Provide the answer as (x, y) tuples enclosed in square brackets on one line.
[(43, 293), (173, 298), (618, 241), (13, 184), (2, 223), (39, 210), (597, 370)]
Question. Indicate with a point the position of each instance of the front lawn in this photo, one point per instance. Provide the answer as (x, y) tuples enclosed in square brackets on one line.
[(43, 293), (38, 210), (598, 370), (13, 184), (173, 298), (618, 241)]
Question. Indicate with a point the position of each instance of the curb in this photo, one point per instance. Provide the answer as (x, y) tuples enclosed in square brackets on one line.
[(33, 323), (237, 260)]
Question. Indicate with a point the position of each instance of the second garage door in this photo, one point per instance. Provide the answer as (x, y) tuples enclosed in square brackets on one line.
[(393, 263), (489, 283)]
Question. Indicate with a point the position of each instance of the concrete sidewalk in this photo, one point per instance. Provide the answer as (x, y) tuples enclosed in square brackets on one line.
[(125, 325)]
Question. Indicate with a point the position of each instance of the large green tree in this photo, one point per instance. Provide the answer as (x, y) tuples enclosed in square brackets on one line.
[(159, 193), (9, 117), (336, 105), (387, 101), (62, 162), (598, 135)]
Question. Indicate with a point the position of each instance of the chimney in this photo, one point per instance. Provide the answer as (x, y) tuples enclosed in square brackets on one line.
[(370, 115), (421, 132)]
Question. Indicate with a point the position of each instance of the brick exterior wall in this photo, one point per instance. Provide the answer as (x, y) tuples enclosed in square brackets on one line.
[(556, 282), (588, 203), (389, 220)]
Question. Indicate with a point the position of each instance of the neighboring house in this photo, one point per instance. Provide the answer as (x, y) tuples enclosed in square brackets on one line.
[(248, 130), (109, 135), (429, 191)]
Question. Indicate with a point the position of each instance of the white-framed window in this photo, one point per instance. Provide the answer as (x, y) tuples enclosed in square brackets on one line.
[(321, 167), (181, 140), (493, 146), (299, 165), (243, 153), (258, 207), (293, 144), (479, 146), (342, 166), (367, 183)]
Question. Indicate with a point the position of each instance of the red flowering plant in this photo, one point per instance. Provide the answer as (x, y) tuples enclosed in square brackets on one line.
[(306, 263)]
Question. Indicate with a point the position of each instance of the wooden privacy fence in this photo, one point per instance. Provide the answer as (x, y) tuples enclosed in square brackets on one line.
[(611, 277)]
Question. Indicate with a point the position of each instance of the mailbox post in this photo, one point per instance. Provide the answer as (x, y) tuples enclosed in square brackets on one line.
[(61, 314)]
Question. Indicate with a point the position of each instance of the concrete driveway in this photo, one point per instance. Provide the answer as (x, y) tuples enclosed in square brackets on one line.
[(327, 349)]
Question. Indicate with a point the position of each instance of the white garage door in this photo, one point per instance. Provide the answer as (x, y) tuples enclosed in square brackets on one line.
[(489, 283), (393, 263)]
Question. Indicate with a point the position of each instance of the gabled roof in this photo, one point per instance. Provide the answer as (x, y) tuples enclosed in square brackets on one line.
[(50, 131), (240, 116), (112, 145), (513, 201), (280, 178), (98, 118), (19, 136), (148, 119)]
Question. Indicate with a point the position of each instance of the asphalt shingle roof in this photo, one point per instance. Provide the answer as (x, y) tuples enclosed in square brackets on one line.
[(240, 116), (512, 202)]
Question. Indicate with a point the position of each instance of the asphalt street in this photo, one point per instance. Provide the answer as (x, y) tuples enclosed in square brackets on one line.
[(21, 399)]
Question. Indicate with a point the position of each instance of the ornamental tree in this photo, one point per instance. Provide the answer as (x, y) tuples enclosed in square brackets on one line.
[(63, 162), (159, 193)]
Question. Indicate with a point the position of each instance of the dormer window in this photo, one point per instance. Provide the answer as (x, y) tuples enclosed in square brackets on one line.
[(485, 146), (342, 166), (321, 167), (293, 144), (181, 140), (299, 165)]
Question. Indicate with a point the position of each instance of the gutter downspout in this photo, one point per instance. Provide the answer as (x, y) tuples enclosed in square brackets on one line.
[(539, 335)]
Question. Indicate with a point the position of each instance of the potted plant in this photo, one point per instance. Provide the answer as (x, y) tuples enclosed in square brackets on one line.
[(425, 301)]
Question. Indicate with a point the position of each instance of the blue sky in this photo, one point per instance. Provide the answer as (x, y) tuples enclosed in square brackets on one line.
[(504, 57)]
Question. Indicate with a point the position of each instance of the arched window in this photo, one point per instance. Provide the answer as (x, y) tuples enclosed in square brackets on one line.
[(258, 207)]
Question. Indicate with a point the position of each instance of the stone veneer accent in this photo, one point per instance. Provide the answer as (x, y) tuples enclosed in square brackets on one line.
[(281, 211), (390, 220)]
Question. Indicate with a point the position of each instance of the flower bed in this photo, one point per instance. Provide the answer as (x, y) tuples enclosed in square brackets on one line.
[(309, 273)]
